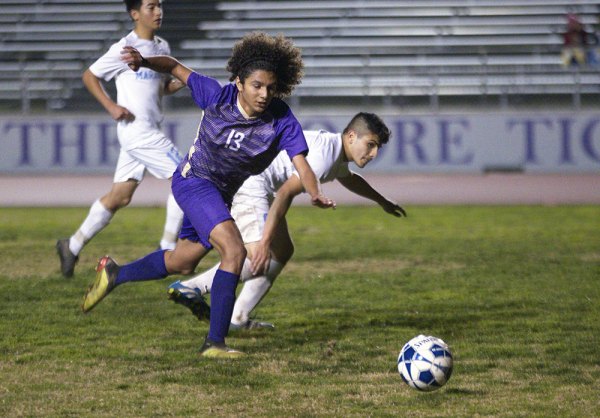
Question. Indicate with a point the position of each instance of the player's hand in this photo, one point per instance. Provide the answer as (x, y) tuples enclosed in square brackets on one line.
[(131, 57), (261, 258), (120, 113), (393, 209), (322, 202)]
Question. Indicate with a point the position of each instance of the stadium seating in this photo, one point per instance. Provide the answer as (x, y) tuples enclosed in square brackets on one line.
[(380, 49)]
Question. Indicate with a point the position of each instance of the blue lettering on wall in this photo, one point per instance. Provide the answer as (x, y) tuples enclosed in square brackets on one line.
[(530, 135), (540, 142), (449, 140), (566, 155), (25, 129), (404, 140), (588, 140), (61, 142)]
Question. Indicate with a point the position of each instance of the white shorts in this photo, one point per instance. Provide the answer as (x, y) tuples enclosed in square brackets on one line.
[(250, 208), (159, 156)]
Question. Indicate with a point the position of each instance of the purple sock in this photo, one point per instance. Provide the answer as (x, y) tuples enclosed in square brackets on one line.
[(222, 299), (150, 267)]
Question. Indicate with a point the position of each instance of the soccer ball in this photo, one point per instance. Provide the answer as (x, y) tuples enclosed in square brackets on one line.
[(425, 363)]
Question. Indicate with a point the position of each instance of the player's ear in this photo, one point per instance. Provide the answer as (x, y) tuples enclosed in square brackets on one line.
[(239, 83), (135, 15), (351, 136)]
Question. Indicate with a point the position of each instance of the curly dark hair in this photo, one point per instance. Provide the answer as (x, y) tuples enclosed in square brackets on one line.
[(260, 51)]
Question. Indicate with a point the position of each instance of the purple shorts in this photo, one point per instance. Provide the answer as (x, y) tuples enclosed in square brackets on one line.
[(203, 207)]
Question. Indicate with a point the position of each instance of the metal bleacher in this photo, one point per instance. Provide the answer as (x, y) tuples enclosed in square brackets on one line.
[(44, 47), (406, 49), (386, 51)]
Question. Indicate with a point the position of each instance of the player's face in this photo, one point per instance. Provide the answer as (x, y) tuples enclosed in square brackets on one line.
[(150, 14), (363, 149), (257, 91)]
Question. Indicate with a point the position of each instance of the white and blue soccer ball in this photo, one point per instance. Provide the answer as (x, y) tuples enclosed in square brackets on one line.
[(425, 363)]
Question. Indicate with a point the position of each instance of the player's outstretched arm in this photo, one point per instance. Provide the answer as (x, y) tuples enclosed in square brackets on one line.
[(282, 202), (159, 63), (310, 183), (357, 184), (172, 86)]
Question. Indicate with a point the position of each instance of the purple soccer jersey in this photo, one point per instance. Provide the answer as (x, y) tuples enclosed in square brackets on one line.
[(229, 148)]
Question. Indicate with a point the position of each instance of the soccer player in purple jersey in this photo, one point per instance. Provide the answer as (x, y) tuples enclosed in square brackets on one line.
[(245, 125)]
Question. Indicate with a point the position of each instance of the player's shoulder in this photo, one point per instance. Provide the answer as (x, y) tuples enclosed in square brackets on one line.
[(130, 39), (322, 137), (118, 45)]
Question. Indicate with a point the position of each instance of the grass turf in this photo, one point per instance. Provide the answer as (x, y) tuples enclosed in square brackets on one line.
[(514, 290)]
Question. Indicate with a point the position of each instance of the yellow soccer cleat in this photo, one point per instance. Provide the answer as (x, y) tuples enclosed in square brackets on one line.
[(211, 349), (106, 274)]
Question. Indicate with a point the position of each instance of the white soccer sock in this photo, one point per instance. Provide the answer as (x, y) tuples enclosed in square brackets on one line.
[(253, 292), (96, 221), (203, 281), (172, 224)]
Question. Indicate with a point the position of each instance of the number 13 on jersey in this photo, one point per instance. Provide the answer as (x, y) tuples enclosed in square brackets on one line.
[(234, 140)]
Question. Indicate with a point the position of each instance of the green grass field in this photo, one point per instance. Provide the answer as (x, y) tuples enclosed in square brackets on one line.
[(514, 290)]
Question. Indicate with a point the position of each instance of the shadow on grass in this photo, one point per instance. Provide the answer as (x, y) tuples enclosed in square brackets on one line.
[(466, 392)]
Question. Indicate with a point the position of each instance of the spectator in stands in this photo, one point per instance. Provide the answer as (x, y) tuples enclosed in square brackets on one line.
[(575, 43), (138, 112), (593, 55)]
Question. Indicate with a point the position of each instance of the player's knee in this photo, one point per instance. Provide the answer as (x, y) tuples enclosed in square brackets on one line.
[(113, 202), (177, 264), (123, 201), (186, 270), (181, 267), (234, 255)]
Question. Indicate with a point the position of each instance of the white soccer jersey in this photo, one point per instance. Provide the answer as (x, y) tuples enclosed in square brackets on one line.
[(252, 201), (325, 157), (140, 92)]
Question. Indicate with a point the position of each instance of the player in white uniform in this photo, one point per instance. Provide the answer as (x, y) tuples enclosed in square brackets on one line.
[(266, 237), (138, 112)]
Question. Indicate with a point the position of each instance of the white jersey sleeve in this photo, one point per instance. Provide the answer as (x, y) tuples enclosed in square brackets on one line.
[(325, 155), (109, 65), (140, 92)]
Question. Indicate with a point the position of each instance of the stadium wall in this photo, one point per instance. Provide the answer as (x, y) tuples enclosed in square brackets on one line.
[(457, 143)]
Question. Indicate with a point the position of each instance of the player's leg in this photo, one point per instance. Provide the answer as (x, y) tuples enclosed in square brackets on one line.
[(227, 240), (160, 157), (256, 288), (208, 214), (249, 210), (174, 217), (128, 174), (154, 266), (201, 284)]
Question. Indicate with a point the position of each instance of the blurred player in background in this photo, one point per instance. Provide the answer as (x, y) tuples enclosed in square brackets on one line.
[(268, 242), (244, 127), (138, 113)]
